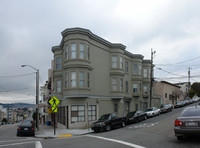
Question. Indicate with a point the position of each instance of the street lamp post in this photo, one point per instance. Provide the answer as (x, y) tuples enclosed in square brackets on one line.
[(37, 94)]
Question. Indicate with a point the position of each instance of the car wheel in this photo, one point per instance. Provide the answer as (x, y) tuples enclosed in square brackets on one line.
[(108, 127), (96, 131), (180, 137), (123, 124), (145, 117)]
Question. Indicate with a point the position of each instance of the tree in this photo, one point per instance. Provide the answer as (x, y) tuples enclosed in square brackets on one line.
[(196, 88), (5, 120)]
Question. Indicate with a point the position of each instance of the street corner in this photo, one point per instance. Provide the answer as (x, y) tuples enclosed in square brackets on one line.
[(66, 135)]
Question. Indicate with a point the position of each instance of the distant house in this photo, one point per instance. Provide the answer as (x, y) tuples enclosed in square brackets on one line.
[(168, 92), (184, 90)]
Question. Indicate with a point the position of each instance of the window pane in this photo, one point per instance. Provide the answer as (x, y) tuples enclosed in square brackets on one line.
[(114, 61), (81, 54), (88, 52), (58, 86), (66, 80), (145, 73), (73, 51), (74, 108), (58, 63), (81, 108), (81, 113), (135, 69), (73, 79), (66, 52), (74, 119), (121, 62)]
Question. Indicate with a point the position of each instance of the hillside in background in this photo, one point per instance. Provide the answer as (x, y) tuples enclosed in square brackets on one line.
[(18, 105)]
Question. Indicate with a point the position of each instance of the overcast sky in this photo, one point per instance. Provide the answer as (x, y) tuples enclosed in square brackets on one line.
[(29, 28)]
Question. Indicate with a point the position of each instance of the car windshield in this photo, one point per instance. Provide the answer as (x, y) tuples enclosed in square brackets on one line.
[(104, 117), (191, 112), (130, 114), (25, 124), (149, 109)]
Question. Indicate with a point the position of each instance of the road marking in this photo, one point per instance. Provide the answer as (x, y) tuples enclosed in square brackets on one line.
[(16, 143), (117, 141), (144, 125), (38, 144), (16, 140)]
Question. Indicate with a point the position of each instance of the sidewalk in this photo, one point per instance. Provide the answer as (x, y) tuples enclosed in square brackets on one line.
[(48, 132)]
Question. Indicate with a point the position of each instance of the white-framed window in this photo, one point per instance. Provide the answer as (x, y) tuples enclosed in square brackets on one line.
[(145, 71), (88, 79), (81, 79), (58, 86), (92, 109), (82, 51), (126, 66), (88, 53), (121, 62), (140, 69), (114, 84), (121, 84), (145, 89), (114, 61), (66, 80), (126, 86), (135, 88), (73, 51), (73, 79), (58, 63), (135, 69), (77, 113), (149, 73), (66, 52)]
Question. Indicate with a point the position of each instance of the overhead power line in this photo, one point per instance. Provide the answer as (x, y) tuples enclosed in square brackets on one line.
[(174, 64), (14, 76), (168, 71)]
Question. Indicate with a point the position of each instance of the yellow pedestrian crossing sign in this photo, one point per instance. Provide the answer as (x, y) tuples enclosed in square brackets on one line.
[(54, 109), (54, 101)]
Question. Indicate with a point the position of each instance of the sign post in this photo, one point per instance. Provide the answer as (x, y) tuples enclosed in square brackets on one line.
[(54, 102)]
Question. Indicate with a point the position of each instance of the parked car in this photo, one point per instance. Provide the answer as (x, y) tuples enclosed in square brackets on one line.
[(188, 123), (170, 106), (107, 122), (26, 128), (136, 116), (153, 111), (165, 108), (179, 104)]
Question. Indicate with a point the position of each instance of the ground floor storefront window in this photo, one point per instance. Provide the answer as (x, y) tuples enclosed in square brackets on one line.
[(77, 113), (92, 112)]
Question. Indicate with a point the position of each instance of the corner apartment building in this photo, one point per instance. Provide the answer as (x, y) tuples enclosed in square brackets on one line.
[(93, 77)]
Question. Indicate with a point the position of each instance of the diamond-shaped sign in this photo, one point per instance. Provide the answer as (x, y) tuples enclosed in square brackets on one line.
[(54, 109), (54, 101)]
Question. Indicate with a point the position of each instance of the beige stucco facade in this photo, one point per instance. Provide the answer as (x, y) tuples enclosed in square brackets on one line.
[(169, 93), (93, 77)]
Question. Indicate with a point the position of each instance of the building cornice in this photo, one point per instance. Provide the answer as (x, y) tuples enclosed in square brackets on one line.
[(127, 53), (87, 32)]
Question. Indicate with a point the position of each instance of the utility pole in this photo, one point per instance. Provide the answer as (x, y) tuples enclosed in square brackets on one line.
[(189, 79), (151, 76)]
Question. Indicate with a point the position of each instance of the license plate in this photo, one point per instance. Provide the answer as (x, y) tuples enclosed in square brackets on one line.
[(191, 124), (25, 129)]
